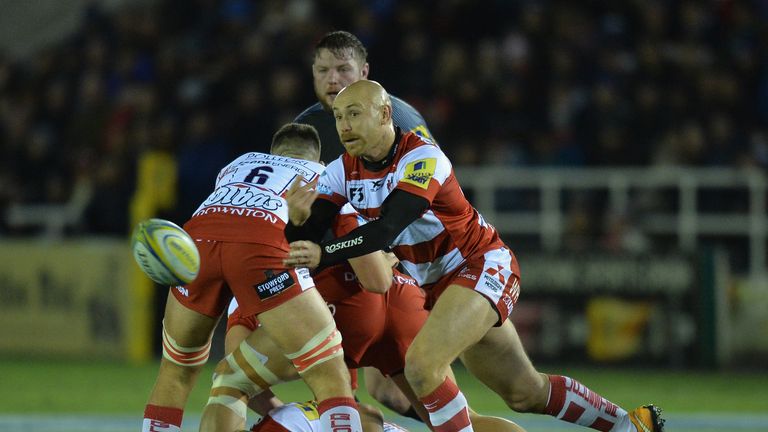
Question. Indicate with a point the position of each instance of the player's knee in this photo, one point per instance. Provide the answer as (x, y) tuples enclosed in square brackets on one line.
[(322, 347), (245, 370), (184, 356), (240, 376)]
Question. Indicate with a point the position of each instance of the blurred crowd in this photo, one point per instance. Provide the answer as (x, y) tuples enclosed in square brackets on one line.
[(523, 83)]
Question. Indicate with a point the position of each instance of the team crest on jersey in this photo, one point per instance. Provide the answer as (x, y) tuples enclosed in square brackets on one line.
[(418, 173), (356, 192)]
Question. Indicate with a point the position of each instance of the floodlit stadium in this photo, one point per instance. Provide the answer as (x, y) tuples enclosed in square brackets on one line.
[(619, 149)]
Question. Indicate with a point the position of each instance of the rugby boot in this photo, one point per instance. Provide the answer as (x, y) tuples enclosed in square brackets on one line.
[(647, 418)]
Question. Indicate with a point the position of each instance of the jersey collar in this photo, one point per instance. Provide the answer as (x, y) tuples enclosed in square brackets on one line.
[(387, 161)]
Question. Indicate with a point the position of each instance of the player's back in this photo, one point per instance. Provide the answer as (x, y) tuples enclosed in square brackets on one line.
[(247, 204), (404, 116)]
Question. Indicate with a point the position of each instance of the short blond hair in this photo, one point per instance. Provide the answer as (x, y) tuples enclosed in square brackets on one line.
[(298, 137)]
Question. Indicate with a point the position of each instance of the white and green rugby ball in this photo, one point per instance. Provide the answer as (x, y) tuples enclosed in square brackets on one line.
[(165, 252)]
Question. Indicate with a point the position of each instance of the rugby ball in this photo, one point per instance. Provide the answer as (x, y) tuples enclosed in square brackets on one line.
[(165, 252)]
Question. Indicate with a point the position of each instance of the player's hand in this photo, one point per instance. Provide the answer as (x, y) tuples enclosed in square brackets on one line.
[(300, 197), (303, 253), (391, 258)]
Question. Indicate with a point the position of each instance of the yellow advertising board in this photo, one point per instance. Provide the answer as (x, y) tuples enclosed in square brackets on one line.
[(72, 299)]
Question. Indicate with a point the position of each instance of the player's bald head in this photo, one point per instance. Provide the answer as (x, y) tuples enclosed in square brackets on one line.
[(363, 112), (364, 92)]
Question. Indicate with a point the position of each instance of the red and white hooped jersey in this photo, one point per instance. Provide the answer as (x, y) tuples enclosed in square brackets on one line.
[(247, 204), (447, 234)]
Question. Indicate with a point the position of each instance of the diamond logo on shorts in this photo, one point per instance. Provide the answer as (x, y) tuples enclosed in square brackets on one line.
[(275, 284), (497, 272)]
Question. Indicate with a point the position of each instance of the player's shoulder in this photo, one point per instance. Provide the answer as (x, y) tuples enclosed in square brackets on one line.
[(421, 160), (404, 114), (337, 165), (401, 105), (419, 146), (408, 118), (312, 112)]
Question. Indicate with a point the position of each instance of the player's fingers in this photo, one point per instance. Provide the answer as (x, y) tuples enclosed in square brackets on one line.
[(295, 186), (313, 184), (297, 247), (299, 255), (309, 190)]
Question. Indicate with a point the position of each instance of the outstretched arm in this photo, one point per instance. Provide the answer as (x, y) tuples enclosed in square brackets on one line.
[(398, 211)]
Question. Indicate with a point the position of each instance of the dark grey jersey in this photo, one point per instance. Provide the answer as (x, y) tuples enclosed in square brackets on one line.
[(403, 115)]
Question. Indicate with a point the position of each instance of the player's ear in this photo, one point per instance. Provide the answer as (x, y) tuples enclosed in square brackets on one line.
[(386, 114), (364, 70)]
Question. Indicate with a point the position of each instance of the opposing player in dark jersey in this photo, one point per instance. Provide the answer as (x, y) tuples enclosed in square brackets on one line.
[(405, 186), (339, 60)]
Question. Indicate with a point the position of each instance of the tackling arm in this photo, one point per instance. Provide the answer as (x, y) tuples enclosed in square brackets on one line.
[(320, 220), (398, 211)]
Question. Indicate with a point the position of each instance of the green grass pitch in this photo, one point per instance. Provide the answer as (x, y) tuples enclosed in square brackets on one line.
[(61, 386), (70, 396)]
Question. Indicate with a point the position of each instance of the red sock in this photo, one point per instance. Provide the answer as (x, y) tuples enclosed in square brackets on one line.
[(447, 407), (339, 415), (572, 401), (162, 419)]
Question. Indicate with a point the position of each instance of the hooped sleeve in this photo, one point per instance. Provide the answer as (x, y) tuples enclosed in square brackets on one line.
[(398, 211)]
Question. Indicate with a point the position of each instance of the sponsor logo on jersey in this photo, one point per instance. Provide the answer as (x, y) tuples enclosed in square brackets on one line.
[(498, 273), (418, 173), (323, 189), (309, 409), (402, 280), (492, 283), (345, 244), (183, 291), (356, 191), (467, 274), (421, 131), (275, 284), (243, 195), (237, 211), (377, 184)]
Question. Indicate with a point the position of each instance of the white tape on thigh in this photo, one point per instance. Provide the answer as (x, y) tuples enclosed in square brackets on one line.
[(325, 345), (247, 372), (184, 356)]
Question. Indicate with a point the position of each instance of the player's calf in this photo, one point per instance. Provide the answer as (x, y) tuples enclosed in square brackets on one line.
[(180, 367)]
